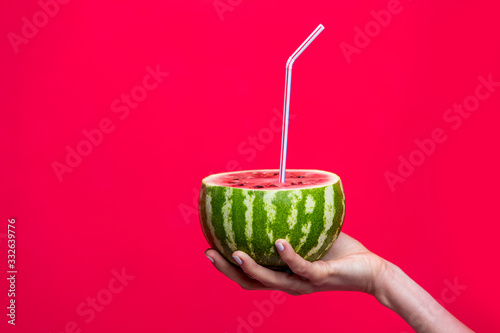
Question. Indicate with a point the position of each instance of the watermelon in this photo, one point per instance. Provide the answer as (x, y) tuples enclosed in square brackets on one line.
[(250, 210)]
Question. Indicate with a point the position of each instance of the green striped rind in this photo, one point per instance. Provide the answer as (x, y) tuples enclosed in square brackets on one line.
[(251, 220)]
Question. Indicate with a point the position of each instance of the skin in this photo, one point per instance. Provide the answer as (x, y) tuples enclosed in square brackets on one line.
[(347, 266)]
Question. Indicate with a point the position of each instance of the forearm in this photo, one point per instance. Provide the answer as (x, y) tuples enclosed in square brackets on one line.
[(417, 307)]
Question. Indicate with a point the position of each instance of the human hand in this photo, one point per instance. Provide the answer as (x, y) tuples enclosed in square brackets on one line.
[(347, 266)]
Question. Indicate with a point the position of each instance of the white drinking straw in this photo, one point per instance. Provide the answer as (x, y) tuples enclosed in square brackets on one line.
[(286, 106)]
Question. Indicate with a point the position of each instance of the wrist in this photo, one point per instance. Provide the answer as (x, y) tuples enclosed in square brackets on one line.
[(385, 281), (398, 292)]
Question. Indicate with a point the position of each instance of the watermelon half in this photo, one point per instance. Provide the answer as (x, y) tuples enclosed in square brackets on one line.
[(250, 210)]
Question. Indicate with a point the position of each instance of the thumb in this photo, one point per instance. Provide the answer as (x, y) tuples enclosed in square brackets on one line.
[(297, 264)]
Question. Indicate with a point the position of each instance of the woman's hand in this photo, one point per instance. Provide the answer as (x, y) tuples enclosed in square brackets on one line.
[(347, 266)]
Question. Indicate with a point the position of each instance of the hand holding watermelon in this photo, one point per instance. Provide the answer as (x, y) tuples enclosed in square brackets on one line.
[(267, 224), (348, 265)]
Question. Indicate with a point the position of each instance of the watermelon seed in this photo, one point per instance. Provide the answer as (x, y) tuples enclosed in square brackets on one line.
[(272, 185), (301, 176), (294, 183), (258, 186)]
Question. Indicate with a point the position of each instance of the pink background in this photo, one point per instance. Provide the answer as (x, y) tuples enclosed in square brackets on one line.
[(129, 205)]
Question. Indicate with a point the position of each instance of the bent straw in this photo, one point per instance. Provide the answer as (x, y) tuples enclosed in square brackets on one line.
[(286, 106)]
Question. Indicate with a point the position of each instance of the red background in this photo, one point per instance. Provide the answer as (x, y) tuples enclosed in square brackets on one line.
[(129, 203)]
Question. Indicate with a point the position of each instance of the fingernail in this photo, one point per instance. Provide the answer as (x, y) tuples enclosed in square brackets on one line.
[(280, 247), (211, 259), (238, 260)]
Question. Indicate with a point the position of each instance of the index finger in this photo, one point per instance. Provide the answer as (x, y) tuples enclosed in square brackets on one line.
[(233, 273), (270, 278)]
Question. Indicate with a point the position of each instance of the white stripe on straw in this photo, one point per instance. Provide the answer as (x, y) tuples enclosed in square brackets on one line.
[(286, 106)]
